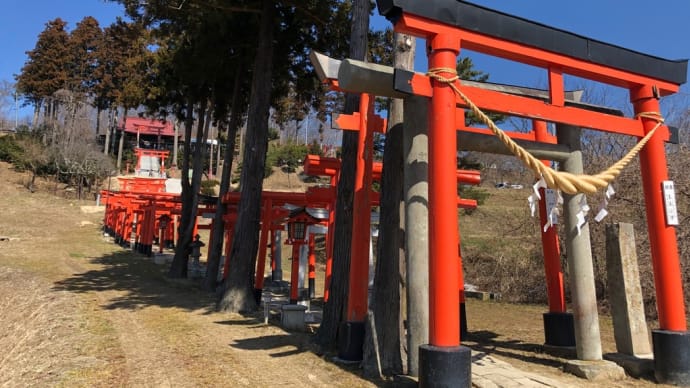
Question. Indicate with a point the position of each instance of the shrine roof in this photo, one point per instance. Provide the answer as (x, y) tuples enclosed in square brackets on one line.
[(149, 127)]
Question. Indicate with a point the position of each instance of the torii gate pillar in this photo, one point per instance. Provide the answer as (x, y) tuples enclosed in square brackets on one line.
[(443, 360), (672, 340)]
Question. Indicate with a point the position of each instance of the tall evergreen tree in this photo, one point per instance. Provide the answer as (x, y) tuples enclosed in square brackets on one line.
[(46, 69), (84, 44)]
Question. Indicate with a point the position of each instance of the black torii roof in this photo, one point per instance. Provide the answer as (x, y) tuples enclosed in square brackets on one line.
[(512, 28)]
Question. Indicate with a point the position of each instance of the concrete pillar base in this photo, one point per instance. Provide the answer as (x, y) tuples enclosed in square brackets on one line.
[(312, 288), (593, 370), (635, 366), (559, 329), (351, 341), (292, 317), (671, 357), (277, 275), (160, 260), (463, 321), (445, 366)]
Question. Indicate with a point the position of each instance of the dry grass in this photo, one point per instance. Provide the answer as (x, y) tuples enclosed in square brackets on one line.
[(80, 311)]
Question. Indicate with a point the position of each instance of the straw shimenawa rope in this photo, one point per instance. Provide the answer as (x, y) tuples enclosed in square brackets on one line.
[(564, 181)]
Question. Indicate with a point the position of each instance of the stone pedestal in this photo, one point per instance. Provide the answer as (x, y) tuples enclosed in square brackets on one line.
[(594, 370), (625, 294), (292, 317)]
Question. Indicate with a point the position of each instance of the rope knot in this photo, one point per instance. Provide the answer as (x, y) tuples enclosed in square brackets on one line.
[(435, 73)]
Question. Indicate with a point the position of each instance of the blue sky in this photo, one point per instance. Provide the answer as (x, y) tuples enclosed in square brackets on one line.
[(22, 20), (660, 29)]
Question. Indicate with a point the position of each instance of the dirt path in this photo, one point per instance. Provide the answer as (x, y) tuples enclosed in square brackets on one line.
[(76, 310), (79, 311)]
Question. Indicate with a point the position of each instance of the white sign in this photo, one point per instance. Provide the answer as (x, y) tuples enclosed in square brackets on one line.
[(670, 203), (552, 203)]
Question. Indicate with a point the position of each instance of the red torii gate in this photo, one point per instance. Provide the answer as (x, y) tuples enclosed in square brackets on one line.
[(316, 165), (448, 25)]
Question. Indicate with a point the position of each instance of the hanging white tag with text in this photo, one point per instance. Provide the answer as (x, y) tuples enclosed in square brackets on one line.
[(670, 208), (553, 200)]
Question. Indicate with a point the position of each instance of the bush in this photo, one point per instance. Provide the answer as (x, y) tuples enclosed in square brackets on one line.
[(288, 157), (470, 192), (208, 187), (10, 150)]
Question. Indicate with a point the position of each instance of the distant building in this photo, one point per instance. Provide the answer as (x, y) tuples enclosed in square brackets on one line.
[(151, 134)]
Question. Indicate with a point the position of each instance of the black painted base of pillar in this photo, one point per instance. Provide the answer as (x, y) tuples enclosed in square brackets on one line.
[(671, 357), (445, 366), (257, 295), (312, 288), (351, 341), (559, 329), (277, 275), (463, 321)]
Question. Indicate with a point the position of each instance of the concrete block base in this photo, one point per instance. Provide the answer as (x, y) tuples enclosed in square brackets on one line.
[(559, 329), (445, 366), (635, 366), (671, 357), (292, 317), (593, 370)]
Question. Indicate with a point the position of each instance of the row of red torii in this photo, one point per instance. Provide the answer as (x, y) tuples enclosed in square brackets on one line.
[(141, 213)]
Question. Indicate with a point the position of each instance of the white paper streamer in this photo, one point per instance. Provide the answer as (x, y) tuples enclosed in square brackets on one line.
[(535, 197), (602, 206), (584, 210)]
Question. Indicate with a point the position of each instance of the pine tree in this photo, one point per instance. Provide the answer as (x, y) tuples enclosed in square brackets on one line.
[(47, 68)]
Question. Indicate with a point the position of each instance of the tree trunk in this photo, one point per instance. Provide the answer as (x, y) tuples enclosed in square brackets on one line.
[(238, 288), (37, 111), (178, 267), (333, 311), (122, 142), (176, 125), (106, 146), (387, 294), (216, 248), (387, 355), (98, 121)]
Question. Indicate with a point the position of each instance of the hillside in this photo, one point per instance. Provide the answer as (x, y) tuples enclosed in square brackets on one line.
[(81, 311)]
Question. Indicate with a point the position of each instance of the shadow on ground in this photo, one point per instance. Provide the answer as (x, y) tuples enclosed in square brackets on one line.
[(142, 282), (490, 343)]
